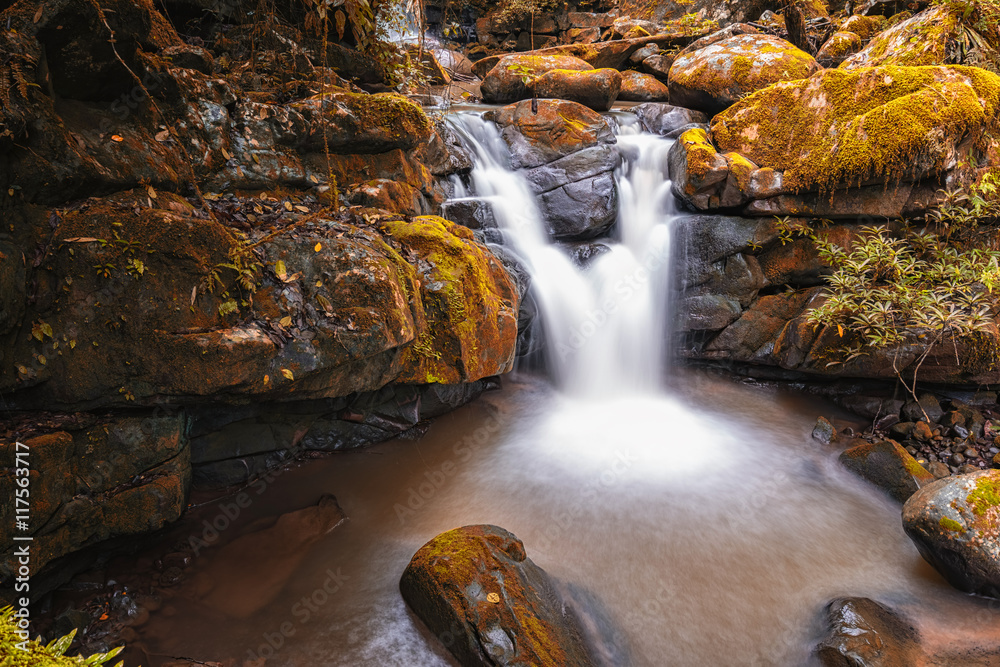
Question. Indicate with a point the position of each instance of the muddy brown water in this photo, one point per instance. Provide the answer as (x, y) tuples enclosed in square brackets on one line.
[(707, 526)]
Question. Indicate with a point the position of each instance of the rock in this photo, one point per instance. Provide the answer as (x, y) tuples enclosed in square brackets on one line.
[(924, 39), (822, 132), (871, 407), (952, 418), (529, 42), (641, 54), (864, 27), (578, 166), (583, 35), (708, 312), (625, 26), (860, 632), (590, 20), (922, 431), (595, 88), (476, 589), (902, 429), (888, 466), (938, 469), (471, 213), (699, 173), (927, 406), (558, 129), (108, 479), (659, 66), (838, 47), (956, 459), (955, 523), (509, 80), (378, 320), (639, 87), (453, 61), (666, 119), (390, 196), (582, 209), (361, 123), (190, 57), (427, 64), (715, 77), (824, 431)]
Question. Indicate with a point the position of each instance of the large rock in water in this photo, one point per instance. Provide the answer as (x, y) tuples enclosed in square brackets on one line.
[(955, 525), (476, 590), (510, 79), (595, 88), (888, 466), (713, 78), (569, 154), (843, 128)]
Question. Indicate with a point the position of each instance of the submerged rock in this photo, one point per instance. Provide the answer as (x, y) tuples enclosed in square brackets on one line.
[(489, 604), (955, 524), (860, 632)]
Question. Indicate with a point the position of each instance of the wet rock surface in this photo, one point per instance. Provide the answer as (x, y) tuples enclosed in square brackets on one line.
[(862, 632), (489, 604)]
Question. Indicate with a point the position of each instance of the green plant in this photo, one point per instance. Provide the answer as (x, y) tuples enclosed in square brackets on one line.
[(888, 290), (16, 651)]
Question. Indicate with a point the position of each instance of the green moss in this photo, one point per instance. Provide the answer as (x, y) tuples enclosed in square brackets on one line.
[(388, 110), (847, 127), (951, 524), (985, 496), (16, 652), (864, 27)]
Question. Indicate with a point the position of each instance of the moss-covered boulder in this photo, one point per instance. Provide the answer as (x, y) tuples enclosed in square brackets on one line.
[(713, 78), (955, 524), (594, 88), (477, 591), (509, 80), (838, 47), (842, 128), (888, 466), (939, 35), (639, 87), (362, 123), (353, 298)]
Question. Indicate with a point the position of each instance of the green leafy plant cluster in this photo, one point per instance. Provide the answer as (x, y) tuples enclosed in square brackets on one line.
[(52, 654)]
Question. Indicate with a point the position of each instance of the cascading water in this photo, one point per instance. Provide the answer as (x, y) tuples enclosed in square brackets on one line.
[(604, 324)]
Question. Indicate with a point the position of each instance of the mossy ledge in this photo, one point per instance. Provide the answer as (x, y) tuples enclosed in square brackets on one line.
[(843, 128)]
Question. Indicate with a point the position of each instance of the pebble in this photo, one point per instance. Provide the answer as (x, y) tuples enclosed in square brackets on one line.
[(967, 468), (922, 431), (911, 450), (960, 432), (956, 459), (970, 453)]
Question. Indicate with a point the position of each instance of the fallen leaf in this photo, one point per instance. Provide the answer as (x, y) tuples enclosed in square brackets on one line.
[(226, 154), (288, 206), (280, 270), (493, 597), (194, 294), (38, 14), (163, 135), (318, 247), (117, 137), (287, 373), (304, 209), (267, 378), (80, 239), (285, 321), (151, 191), (840, 330)]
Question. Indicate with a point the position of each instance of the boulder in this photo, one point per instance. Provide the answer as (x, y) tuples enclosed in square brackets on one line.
[(666, 119), (864, 27), (509, 79), (559, 128), (659, 66), (453, 62), (595, 88), (843, 128), (361, 123), (859, 632), (713, 78), (955, 524), (838, 47), (888, 466), (389, 195), (448, 317), (582, 209), (477, 591), (639, 87)]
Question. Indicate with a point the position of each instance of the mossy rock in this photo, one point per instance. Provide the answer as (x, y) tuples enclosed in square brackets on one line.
[(921, 40), (843, 128), (18, 651), (639, 87), (888, 466), (713, 78), (955, 525), (594, 88), (475, 588), (510, 78), (363, 123), (839, 46)]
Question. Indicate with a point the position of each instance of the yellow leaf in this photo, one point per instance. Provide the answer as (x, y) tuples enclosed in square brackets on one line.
[(287, 373), (840, 330), (285, 321), (151, 191), (493, 597), (118, 138), (267, 378), (302, 208), (288, 206), (280, 270), (41, 359), (318, 247), (72, 344)]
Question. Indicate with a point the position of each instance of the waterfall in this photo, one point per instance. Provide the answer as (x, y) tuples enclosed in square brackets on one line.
[(606, 325)]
